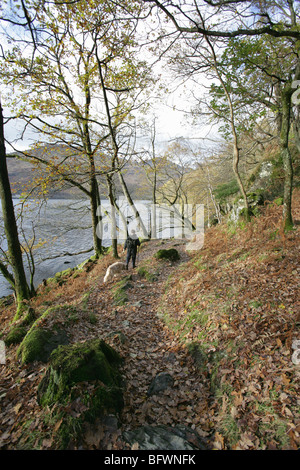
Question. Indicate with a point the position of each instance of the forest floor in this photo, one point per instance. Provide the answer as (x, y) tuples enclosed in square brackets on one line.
[(221, 321)]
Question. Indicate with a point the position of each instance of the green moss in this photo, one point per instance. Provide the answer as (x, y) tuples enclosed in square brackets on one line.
[(103, 400), (19, 331), (93, 318), (171, 254), (230, 429), (29, 317), (92, 360), (143, 272), (199, 265), (31, 347), (15, 335), (39, 343), (278, 201), (120, 296), (94, 404), (85, 300), (199, 355)]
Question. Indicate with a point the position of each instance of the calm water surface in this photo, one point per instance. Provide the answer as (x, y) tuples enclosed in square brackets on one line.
[(62, 227)]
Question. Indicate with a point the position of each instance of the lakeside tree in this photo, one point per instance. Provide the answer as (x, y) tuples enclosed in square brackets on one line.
[(125, 90), (153, 163), (13, 256), (63, 92), (18, 279)]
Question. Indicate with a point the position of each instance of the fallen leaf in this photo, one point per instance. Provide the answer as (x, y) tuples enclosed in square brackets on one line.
[(17, 408), (57, 425), (47, 443), (218, 443)]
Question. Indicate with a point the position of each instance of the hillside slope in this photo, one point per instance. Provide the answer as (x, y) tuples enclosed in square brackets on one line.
[(220, 321), (236, 306)]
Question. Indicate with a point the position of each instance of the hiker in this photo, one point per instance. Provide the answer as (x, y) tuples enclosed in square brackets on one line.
[(131, 244)]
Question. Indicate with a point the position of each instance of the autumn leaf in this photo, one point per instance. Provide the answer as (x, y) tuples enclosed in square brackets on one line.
[(17, 408)]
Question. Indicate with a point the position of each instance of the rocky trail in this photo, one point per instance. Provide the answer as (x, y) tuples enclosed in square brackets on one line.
[(163, 387)]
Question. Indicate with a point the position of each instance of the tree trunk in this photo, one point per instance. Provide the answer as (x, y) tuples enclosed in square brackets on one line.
[(115, 147), (236, 159), (286, 158), (132, 205), (153, 233), (10, 226), (111, 197), (236, 151), (95, 202)]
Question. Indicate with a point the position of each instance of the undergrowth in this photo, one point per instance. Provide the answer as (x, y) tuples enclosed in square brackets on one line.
[(234, 308)]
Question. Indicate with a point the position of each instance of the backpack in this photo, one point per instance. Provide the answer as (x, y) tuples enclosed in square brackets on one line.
[(130, 244)]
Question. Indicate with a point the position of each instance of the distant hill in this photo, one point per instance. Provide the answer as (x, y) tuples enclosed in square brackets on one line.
[(22, 172)]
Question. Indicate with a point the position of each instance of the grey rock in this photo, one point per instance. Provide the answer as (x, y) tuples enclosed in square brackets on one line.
[(139, 303), (161, 382), (164, 438)]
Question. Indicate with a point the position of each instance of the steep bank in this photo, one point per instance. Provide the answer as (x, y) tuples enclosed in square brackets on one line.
[(235, 305), (220, 322)]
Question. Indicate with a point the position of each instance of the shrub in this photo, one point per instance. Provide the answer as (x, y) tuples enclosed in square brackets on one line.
[(171, 254)]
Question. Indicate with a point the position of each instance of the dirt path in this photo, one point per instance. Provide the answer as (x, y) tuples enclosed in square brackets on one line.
[(142, 338), (148, 348)]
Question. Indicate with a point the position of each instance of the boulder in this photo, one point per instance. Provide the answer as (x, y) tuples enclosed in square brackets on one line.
[(82, 385), (39, 343), (164, 438), (171, 254), (15, 335), (161, 382), (93, 360)]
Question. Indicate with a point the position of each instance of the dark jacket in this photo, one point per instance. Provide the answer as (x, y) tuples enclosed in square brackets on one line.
[(132, 243)]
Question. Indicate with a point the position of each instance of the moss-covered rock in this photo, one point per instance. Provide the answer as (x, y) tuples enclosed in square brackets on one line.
[(85, 379), (119, 291), (171, 254), (15, 335), (80, 362), (143, 272), (19, 330), (39, 343)]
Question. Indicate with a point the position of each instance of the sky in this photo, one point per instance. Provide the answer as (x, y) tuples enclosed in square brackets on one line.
[(173, 122)]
